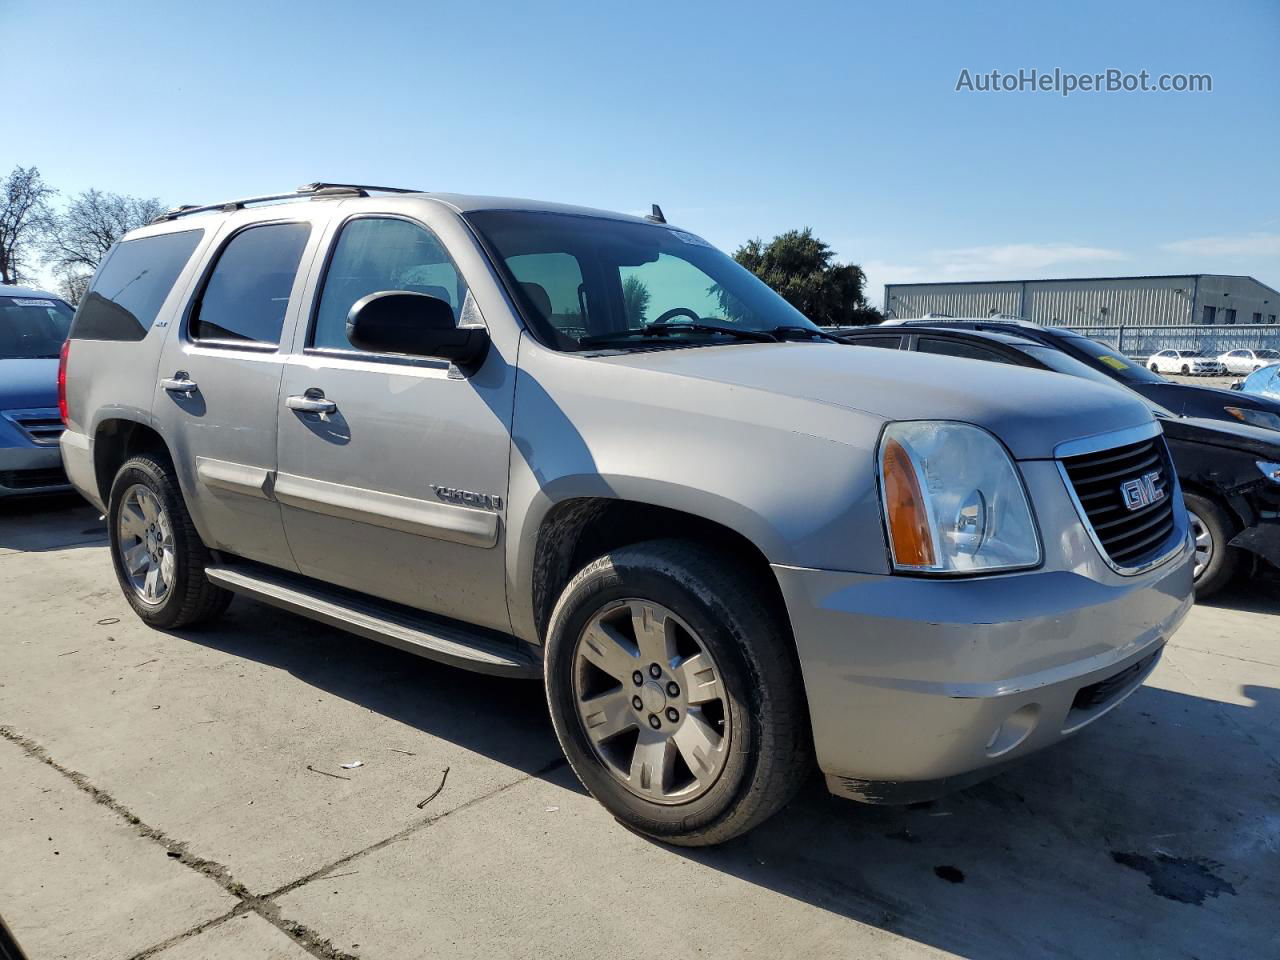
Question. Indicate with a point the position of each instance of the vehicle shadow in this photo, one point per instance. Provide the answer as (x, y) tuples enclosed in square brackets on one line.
[(1257, 594), (55, 522), (1126, 835)]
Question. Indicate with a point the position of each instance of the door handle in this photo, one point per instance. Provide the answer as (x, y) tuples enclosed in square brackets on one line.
[(180, 382), (311, 402)]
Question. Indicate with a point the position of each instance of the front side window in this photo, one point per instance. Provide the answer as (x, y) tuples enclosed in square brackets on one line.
[(32, 327), (247, 295), (586, 282), (376, 254), (958, 348), (131, 285)]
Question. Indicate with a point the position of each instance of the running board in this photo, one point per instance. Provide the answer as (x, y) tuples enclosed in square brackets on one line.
[(472, 648)]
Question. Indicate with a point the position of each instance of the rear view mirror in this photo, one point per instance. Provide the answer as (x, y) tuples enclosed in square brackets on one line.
[(416, 324)]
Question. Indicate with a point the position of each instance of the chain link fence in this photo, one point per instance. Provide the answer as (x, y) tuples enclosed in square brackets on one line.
[(1141, 342)]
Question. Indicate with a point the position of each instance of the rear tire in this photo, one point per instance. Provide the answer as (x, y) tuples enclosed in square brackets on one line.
[(1155, 368), (151, 530), (1186, 370), (664, 653), (1212, 529)]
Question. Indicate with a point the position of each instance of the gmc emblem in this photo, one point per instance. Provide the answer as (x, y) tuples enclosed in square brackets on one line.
[(1141, 492)]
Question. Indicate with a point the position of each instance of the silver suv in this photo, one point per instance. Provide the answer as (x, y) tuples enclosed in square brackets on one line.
[(545, 441)]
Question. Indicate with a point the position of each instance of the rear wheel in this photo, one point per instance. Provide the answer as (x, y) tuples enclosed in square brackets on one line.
[(1212, 530), (158, 557), (675, 693), (1185, 369), (1155, 368)]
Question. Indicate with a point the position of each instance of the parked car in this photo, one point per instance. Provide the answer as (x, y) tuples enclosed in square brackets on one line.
[(1247, 361), (1183, 399), (1261, 383), (1229, 472), (33, 327), (725, 543), (1186, 362)]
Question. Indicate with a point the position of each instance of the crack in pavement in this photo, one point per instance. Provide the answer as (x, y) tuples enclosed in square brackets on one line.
[(264, 905)]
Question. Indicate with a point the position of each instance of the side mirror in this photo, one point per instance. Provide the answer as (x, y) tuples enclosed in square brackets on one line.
[(1238, 385), (416, 324)]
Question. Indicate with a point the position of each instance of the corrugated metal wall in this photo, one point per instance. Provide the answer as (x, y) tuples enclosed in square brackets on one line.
[(1099, 303), (958, 300)]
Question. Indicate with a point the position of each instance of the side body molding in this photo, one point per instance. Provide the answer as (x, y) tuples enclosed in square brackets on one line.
[(439, 521)]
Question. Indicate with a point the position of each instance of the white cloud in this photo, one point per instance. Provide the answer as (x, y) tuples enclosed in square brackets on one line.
[(1239, 245)]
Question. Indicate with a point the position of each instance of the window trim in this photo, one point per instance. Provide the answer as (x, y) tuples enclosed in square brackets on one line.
[(197, 296), (354, 352)]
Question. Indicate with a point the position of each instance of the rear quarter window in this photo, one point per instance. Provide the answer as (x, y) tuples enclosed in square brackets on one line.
[(131, 285)]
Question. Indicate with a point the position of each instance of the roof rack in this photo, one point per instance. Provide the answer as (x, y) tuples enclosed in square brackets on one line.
[(313, 191)]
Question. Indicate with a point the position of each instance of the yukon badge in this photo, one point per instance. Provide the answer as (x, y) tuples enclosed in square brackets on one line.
[(467, 498), (1142, 492)]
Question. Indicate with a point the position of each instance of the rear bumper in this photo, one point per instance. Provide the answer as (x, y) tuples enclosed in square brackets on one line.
[(77, 460), (917, 687), (31, 470)]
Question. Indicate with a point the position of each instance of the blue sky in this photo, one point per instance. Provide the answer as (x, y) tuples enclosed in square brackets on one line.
[(741, 119)]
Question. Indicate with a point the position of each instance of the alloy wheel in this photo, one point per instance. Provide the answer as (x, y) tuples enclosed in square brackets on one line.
[(145, 544), (1203, 543), (651, 703)]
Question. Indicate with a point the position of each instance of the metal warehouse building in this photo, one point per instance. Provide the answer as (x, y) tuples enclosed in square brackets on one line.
[(1096, 302)]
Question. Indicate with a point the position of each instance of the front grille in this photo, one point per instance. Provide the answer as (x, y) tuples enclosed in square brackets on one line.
[(1096, 694), (42, 427), (32, 479), (1130, 535)]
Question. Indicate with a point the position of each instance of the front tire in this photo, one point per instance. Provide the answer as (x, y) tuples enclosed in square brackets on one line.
[(1186, 370), (1212, 530), (675, 693), (158, 556)]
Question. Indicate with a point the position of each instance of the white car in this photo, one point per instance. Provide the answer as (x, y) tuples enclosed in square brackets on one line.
[(1187, 362), (1247, 361)]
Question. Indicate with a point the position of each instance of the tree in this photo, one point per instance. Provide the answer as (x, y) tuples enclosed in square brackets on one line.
[(635, 301), (802, 269), (79, 237), (24, 211)]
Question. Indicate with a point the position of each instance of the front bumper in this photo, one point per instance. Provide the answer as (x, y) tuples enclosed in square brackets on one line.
[(31, 470), (920, 686)]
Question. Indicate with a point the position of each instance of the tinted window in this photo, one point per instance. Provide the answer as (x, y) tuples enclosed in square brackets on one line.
[(959, 348), (32, 327), (552, 283), (375, 254), (131, 285), (246, 296), (891, 343), (1111, 362)]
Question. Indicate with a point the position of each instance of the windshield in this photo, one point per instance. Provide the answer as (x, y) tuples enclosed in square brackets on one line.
[(582, 278), (1059, 362), (1121, 367), (32, 327)]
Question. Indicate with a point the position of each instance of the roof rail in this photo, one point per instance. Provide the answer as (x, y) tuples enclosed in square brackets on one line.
[(314, 191)]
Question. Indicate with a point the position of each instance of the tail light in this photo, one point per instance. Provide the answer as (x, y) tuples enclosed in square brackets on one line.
[(62, 380)]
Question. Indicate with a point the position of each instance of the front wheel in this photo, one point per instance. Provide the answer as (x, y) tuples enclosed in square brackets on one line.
[(1155, 368), (675, 693), (1212, 530), (1185, 369), (158, 556)]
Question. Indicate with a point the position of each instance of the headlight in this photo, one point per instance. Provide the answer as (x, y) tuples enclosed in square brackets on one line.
[(1270, 470), (1259, 418), (953, 501)]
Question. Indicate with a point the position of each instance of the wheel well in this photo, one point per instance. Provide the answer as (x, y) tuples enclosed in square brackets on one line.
[(114, 443), (577, 531)]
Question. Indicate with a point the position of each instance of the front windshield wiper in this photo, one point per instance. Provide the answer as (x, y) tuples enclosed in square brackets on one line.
[(797, 332), (666, 329)]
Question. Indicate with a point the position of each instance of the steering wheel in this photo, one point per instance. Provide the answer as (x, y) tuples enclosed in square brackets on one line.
[(676, 312)]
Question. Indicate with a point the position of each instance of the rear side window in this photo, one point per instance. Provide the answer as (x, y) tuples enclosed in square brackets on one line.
[(131, 285), (958, 348), (889, 343), (246, 296)]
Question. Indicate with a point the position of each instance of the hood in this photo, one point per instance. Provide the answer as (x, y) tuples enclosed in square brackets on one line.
[(1258, 441), (27, 384), (1032, 411)]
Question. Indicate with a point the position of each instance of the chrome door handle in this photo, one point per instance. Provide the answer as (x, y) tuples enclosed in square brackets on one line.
[(180, 383), (311, 404)]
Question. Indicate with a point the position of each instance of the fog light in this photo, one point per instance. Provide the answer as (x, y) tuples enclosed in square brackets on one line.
[(1015, 729)]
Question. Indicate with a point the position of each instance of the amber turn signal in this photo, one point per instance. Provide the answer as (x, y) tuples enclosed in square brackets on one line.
[(905, 507)]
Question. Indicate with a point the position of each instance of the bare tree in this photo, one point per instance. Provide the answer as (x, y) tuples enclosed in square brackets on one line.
[(24, 211), (73, 286), (79, 237)]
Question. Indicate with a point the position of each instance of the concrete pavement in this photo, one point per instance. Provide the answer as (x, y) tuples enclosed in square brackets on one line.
[(183, 796)]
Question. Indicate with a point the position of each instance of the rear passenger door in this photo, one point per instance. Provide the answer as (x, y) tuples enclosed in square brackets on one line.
[(398, 488), (219, 383)]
